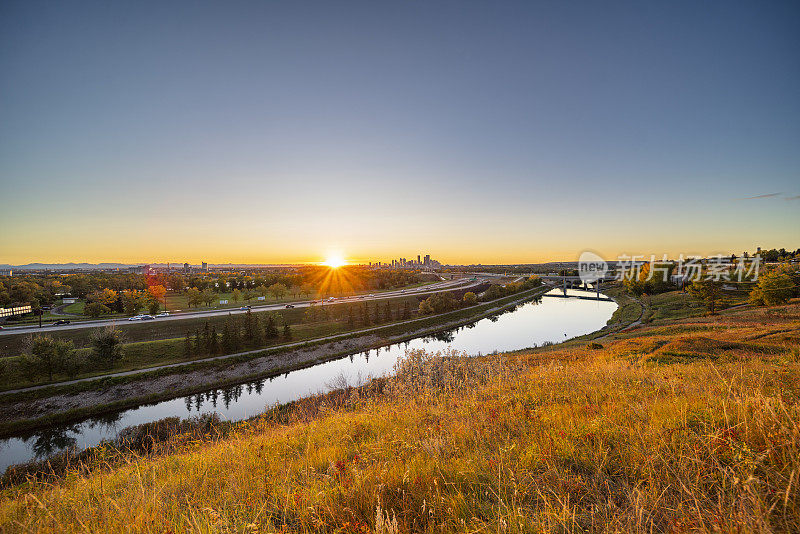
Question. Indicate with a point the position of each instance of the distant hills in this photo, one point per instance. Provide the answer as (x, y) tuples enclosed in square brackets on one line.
[(60, 266)]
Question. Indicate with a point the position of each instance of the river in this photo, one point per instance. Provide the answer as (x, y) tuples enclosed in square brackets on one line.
[(546, 319)]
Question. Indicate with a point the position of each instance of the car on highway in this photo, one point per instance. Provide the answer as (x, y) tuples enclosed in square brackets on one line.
[(163, 314), (371, 295), (60, 322), (135, 318), (331, 299), (289, 306), (146, 317), (245, 307)]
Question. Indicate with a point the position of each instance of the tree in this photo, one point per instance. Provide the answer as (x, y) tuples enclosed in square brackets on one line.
[(306, 289), (194, 297), (258, 334), (652, 278), (131, 302), (470, 298), (287, 332), (262, 290), (107, 345), (207, 297), (709, 292), (102, 296), (187, 346), (249, 329), (773, 288), (236, 295), (95, 310), (532, 281), (278, 290), (271, 330), (214, 344), (153, 306), (236, 337), (437, 303), (47, 356), (176, 282), (198, 347), (425, 307), (221, 285), (227, 337), (315, 313), (158, 292), (406, 310), (207, 336)]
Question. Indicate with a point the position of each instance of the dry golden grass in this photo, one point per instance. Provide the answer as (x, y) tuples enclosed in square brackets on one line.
[(689, 427)]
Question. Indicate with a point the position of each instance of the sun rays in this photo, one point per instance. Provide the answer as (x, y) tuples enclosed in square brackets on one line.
[(334, 261)]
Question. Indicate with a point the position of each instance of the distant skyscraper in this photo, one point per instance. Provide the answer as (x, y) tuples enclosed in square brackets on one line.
[(418, 262), (205, 267)]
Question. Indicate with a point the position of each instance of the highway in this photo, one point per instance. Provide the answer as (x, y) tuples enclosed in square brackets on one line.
[(446, 285)]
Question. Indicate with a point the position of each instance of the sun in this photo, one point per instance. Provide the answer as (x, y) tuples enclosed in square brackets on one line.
[(334, 261)]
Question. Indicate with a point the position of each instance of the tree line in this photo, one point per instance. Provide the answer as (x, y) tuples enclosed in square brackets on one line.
[(237, 333), (46, 358)]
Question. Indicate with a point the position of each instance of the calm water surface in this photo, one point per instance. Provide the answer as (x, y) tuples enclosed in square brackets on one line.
[(548, 319)]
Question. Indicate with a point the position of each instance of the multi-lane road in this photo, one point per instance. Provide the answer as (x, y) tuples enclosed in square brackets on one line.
[(446, 285)]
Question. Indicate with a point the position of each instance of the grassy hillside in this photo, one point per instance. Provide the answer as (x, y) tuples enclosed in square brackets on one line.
[(679, 425)]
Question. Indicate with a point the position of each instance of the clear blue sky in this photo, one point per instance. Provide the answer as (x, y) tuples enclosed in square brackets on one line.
[(481, 131)]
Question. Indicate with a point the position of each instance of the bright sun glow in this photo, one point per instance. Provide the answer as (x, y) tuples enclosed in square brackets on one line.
[(334, 261)]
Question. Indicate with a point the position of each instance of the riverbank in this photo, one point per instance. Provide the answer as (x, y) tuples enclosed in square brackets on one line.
[(687, 424), (37, 408)]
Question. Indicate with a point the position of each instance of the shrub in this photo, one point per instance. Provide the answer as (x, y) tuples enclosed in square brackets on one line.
[(107, 345), (95, 309), (438, 303), (773, 289), (420, 371), (709, 292), (46, 356)]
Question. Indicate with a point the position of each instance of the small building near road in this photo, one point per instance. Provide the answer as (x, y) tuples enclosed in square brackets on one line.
[(15, 311)]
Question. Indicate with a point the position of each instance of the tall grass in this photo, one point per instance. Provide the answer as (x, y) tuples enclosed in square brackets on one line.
[(606, 439)]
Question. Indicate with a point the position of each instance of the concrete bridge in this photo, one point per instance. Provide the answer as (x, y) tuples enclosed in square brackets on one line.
[(570, 282), (566, 282)]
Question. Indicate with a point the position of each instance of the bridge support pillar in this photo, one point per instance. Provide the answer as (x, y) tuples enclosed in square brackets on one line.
[(564, 282)]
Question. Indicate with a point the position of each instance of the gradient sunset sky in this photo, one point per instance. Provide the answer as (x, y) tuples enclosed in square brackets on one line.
[(493, 132)]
